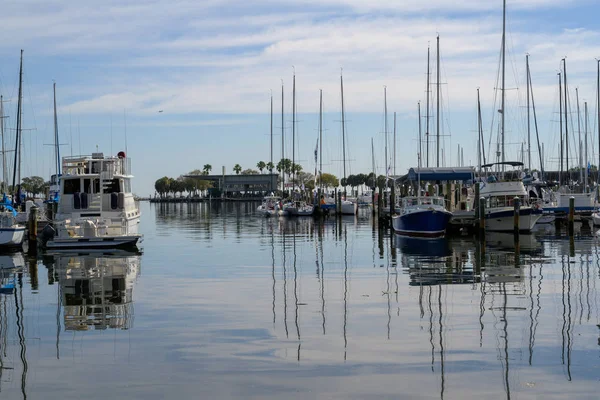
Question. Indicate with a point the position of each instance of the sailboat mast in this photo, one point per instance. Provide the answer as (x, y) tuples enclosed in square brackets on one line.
[(294, 132), (427, 111), (537, 136), (503, 78), (343, 132), (56, 144), (585, 147), (4, 173), (419, 148), (598, 123), (385, 129), (394, 151), (321, 138), (528, 114), (438, 102), (271, 128), (480, 131), (579, 137), (373, 164), (17, 184), (566, 104), (282, 144), (560, 177)]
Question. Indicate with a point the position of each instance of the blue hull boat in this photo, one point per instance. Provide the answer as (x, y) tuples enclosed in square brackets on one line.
[(422, 223)]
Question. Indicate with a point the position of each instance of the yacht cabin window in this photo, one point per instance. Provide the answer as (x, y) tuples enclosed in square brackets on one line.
[(71, 186), (113, 186)]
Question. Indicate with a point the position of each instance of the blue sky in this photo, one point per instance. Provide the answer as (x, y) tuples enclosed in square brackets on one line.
[(210, 66)]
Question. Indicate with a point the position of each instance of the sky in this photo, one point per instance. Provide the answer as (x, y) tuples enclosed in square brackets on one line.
[(211, 67)]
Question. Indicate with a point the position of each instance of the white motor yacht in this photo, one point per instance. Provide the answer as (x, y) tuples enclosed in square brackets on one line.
[(96, 208)]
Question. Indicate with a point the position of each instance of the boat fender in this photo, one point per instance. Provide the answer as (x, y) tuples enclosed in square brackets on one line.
[(47, 234)]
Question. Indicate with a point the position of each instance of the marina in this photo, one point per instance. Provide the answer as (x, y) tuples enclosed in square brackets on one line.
[(336, 307), (300, 200)]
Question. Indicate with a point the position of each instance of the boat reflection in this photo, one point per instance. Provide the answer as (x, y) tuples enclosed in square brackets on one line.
[(96, 289), (527, 243), (438, 247)]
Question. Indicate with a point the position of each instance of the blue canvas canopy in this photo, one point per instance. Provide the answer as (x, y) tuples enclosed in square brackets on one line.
[(441, 174)]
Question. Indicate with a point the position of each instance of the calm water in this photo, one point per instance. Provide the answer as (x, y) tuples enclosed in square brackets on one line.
[(224, 304)]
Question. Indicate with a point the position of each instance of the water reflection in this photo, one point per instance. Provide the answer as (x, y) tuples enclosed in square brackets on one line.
[(96, 289), (12, 267)]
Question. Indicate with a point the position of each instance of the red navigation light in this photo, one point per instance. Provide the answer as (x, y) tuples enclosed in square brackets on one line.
[(121, 154)]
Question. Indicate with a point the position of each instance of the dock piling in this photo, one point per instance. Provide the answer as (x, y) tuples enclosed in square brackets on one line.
[(482, 216), (32, 226), (516, 219), (393, 200), (476, 205), (571, 215)]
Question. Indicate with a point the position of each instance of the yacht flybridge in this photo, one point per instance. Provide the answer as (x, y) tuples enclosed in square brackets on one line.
[(96, 207)]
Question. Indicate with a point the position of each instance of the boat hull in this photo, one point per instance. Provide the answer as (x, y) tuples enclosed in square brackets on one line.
[(11, 236), (104, 242), (422, 223), (503, 220)]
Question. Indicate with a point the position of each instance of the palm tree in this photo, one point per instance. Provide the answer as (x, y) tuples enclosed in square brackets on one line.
[(207, 168), (237, 168), (261, 165), (270, 166)]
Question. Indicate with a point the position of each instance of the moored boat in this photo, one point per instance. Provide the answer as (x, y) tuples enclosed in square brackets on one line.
[(422, 217), (96, 208)]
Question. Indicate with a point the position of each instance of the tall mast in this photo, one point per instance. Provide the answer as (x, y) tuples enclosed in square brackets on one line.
[(585, 147), (385, 129), (373, 165), (579, 137), (321, 138), (17, 184), (566, 98), (537, 136), (427, 111), (282, 143), (4, 172), (394, 151), (438, 102), (528, 115), (481, 147), (56, 144), (560, 177), (598, 120), (343, 132), (294, 132), (419, 148), (503, 77), (271, 128)]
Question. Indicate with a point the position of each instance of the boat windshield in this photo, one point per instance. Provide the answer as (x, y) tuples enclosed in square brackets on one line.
[(423, 201), (503, 201)]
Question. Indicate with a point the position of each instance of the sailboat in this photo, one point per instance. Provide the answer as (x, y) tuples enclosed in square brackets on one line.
[(294, 207), (11, 232), (596, 215), (499, 193), (421, 216), (584, 201), (348, 207)]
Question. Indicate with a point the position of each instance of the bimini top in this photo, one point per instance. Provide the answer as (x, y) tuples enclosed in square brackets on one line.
[(509, 163), (440, 174)]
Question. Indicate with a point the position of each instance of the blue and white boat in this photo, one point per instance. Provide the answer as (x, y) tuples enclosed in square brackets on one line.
[(422, 217)]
